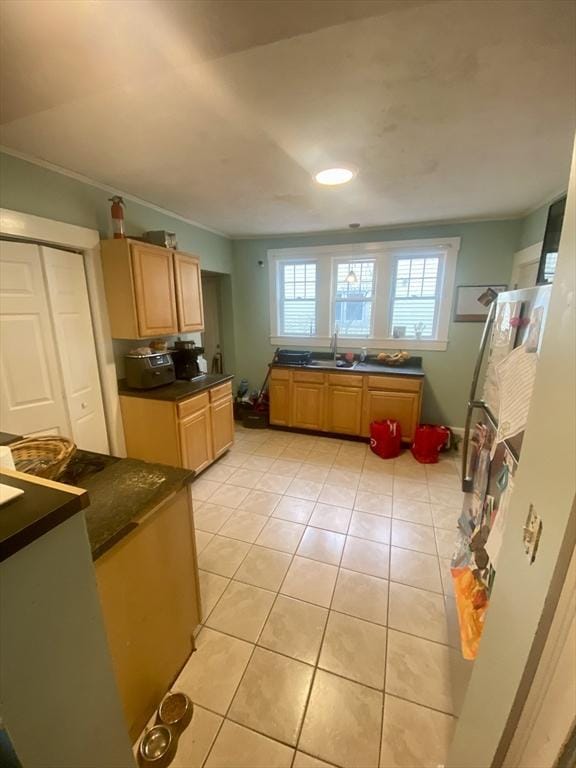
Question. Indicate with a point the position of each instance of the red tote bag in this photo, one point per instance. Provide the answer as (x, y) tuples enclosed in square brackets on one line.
[(385, 438), (428, 442)]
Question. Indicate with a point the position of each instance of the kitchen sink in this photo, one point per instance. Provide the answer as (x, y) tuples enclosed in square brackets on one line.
[(333, 364)]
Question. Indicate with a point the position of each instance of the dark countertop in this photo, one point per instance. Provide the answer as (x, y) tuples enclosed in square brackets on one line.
[(123, 493), (178, 390), (118, 493), (39, 510), (412, 367)]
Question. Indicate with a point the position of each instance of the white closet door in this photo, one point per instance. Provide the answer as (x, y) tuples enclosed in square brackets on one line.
[(68, 297), (31, 394)]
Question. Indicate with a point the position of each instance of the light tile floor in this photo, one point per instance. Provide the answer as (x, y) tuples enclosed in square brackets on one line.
[(325, 587)]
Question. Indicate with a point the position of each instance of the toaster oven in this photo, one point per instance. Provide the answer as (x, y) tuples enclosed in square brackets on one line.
[(149, 371)]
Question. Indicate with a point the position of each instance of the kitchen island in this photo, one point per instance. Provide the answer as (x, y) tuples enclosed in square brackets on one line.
[(141, 531), (138, 521)]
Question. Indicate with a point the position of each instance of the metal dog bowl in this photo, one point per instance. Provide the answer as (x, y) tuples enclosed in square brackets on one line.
[(176, 710), (158, 747)]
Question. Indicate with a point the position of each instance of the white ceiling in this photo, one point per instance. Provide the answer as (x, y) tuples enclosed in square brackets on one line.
[(221, 110)]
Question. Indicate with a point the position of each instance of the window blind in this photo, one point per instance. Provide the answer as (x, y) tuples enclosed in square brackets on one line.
[(298, 299), (415, 297)]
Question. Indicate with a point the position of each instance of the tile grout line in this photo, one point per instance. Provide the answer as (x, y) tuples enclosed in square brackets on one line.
[(319, 653), (330, 608)]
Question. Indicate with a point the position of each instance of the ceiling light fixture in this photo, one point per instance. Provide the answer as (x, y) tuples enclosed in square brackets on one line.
[(351, 277), (333, 176)]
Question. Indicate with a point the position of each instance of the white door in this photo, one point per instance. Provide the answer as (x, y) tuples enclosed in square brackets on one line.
[(31, 394), (70, 309)]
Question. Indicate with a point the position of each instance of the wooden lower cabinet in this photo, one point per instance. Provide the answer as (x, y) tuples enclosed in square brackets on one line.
[(279, 392), (196, 440), (222, 423), (190, 433), (307, 407), (404, 407), (344, 410), (150, 598), (343, 403)]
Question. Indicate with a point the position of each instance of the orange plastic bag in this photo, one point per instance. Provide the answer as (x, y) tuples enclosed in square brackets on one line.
[(472, 602)]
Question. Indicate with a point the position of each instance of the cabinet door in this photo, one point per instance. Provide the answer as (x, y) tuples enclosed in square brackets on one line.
[(401, 406), (279, 392), (344, 410), (307, 405), (188, 293), (196, 440), (222, 425), (154, 290)]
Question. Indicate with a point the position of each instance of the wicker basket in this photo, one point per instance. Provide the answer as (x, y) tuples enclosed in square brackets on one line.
[(43, 456)]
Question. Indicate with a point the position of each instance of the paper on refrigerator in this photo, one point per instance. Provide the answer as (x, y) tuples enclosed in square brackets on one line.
[(496, 536), (516, 374)]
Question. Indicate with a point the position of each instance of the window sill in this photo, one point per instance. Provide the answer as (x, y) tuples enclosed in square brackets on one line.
[(351, 342)]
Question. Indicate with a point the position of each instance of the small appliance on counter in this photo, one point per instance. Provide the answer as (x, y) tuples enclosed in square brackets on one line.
[(292, 357), (185, 355), (149, 370)]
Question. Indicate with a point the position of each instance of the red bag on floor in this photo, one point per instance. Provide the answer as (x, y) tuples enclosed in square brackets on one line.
[(428, 442), (385, 438)]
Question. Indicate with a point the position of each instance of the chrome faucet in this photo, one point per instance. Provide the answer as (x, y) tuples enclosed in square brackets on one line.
[(334, 343)]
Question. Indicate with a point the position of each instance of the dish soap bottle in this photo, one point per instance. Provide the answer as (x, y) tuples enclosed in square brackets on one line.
[(363, 354)]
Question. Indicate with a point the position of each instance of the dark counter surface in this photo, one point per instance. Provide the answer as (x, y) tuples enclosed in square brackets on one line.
[(124, 492), (38, 511), (412, 367), (178, 390), (119, 493)]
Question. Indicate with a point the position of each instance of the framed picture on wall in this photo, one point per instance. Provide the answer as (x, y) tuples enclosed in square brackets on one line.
[(470, 305)]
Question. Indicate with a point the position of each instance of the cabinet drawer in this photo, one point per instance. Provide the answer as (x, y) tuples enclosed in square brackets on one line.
[(308, 377), (193, 405), (280, 374), (344, 380), (222, 390), (395, 383)]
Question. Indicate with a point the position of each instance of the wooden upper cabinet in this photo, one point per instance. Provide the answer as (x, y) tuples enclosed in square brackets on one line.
[(150, 290), (188, 293), (154, 290)]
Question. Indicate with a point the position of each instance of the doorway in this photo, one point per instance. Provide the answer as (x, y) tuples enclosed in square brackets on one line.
[(49, 370), (211, 335)]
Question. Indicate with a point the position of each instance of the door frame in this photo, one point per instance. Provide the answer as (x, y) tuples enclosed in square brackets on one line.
[(529, 255), (549, 715), (36, 229)]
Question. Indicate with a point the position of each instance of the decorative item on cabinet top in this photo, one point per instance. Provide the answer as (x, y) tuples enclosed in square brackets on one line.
[(151, 290)]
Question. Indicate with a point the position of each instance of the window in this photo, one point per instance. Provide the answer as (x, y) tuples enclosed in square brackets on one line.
[(383, 295), (353, 296), (415, 297), (298, 299)]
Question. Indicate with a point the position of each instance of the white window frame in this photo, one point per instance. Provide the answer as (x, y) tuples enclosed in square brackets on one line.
[(336, 261), (279, 288), (385, 255), (437, 295)]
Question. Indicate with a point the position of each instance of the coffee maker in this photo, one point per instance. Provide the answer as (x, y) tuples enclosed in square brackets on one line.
[(185, 357)]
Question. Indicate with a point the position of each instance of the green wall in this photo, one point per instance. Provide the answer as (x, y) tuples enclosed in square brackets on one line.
[(485, 257), (533, 226), (29, 188)]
